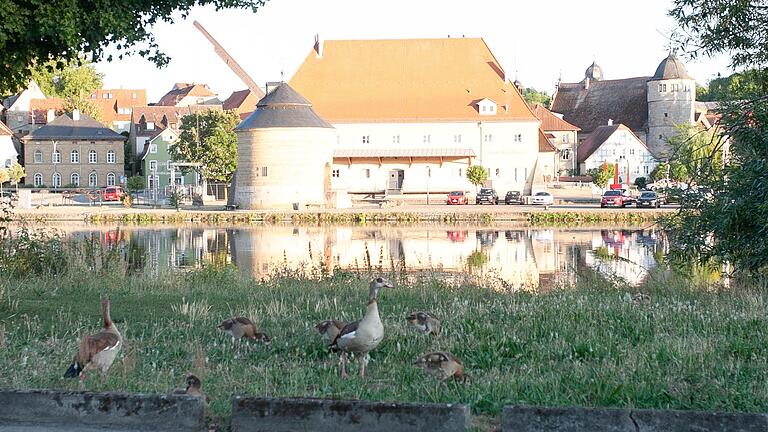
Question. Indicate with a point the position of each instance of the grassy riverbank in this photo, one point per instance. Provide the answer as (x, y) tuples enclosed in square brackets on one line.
[(689, 347)]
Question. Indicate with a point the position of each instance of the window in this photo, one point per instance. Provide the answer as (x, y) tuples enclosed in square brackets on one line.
[(366, 173), (173, 125), (74, 157), (427, 138), (106, 95), (111, 179), (518, 137), (94, 96), (133, 95), (661, 137), (488, 138), (631, 152), (566, 140), (75, 179), (56, 180), (153, 148), (92, 179), (92, 157), (366, 139), (56, 157), (666, 115), (460, 172), (565, 154), (111, 156), (645, 169), (497, 172), (515, 174), (38, 179), (150, 125), (664, 88), (525, 174), (38, 157), (335, 173), (429, 172), (153, 165), (457, 138), (660, 88), (168, 166), (396, 139), (263, 171)]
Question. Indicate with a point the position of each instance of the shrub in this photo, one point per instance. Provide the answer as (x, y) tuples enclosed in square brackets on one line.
[(641, 182)]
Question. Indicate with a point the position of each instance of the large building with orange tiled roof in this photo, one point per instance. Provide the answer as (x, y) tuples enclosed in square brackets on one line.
[(413, 114), (116, 106)]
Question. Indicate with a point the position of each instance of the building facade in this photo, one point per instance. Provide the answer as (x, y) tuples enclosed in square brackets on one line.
[(412, 115), (158, 168), (116, 106), (563, 135), (617, 145), (74, 150), (8, 151)]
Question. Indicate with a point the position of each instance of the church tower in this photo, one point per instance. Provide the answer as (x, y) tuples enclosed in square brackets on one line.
[(671, 101)]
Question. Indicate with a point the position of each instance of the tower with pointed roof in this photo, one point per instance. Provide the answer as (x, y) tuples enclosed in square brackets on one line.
[(284, 153), (671, 102)]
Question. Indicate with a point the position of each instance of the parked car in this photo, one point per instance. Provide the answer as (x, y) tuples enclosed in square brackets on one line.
[(650, 199), (457, 197), (487, 195), (513, 197), (617, 198), (542, 198), (113, 193)]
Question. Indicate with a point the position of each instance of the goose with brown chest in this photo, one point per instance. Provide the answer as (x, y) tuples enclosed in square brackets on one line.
[(97, 351), (363, 336), (243, 328), (425, 322), (329, 329), (443, 364)]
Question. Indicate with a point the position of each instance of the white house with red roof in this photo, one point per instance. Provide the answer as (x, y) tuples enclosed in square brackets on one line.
[(616, 144)]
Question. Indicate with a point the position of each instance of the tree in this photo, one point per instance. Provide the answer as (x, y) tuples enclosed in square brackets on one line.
[(673, 170), (731, 87), (723, 220), (135, 183), (641, 182), (477, 175), (16, 173), (534, 96), (36, 32), (4, 177), (602, 175), (208, 138), (67, 79)]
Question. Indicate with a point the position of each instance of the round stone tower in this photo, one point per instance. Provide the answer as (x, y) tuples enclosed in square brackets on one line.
[(671, 102), (284, 149)]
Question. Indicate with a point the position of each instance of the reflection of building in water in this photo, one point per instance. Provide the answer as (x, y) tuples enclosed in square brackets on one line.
[(531, 258)]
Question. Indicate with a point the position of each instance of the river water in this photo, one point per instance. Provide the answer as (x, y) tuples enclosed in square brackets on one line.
[(526, 257)]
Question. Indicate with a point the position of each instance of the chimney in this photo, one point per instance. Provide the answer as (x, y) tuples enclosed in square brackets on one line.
[(272, 85), (76, 114), (51, 115), (610, 122), (586, 83), (318, 46)]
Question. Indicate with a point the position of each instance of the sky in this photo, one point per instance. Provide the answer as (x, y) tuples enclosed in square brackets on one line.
[(542, 40)]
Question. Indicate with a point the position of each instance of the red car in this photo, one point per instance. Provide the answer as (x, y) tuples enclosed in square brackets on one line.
[(113, 193), (616, 198), (457, 197)]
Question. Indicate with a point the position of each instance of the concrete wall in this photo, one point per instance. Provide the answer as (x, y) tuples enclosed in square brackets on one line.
[(295, 160), (540, 419), (318, 415), (44, 410)]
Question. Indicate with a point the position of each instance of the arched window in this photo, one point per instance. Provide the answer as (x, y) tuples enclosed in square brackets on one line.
[(92, 157), (92, 179), (75, 179), (110, 156), (56, 157), (74, 157), (38, 156), (38, 180), (111, 179), (56, 180)]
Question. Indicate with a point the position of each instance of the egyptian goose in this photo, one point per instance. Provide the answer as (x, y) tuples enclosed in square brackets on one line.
[(442, 363), (194, 387), (241, 327), (424, 322), (361, 337), (329, 329), (97, 351)]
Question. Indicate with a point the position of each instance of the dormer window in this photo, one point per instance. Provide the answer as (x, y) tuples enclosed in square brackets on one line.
[(150, 125), (486, 107)]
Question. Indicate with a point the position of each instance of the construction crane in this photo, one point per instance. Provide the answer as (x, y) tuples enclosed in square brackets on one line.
[(236, 68)]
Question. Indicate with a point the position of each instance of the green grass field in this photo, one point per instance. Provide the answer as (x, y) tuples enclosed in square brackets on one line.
[(689, 347)]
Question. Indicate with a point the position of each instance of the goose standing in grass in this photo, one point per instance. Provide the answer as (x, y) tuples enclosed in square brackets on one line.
[(97, 351), (329, 329), (443, 364), (425, 322), (363, 336), (194, 388), (241, 327)]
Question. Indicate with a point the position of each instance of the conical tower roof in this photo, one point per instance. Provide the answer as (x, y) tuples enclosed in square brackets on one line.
[(594, 72), (671, 68), (283, 107)]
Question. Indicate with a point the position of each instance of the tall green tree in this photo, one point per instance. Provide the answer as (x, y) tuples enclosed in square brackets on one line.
[(730, 87), (477, 175), (724, 220), (36, 32), (67, 79), (533, 96), (209, 138)]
